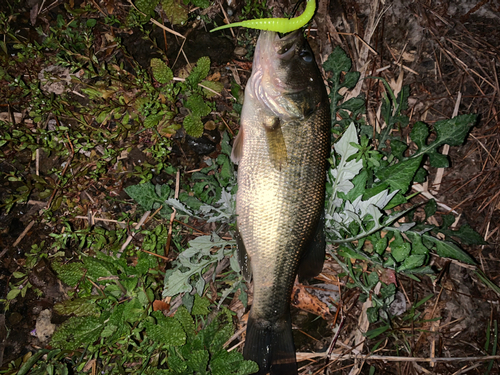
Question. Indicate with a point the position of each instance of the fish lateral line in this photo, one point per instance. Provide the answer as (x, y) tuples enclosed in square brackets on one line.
[(279, 25)]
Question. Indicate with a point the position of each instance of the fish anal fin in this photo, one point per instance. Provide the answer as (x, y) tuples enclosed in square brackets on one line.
[(270, 345), (313, 257), (243, 259), (276, 142), (237, 151)]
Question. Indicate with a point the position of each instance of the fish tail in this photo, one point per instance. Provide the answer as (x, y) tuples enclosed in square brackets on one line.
[(270, 345)]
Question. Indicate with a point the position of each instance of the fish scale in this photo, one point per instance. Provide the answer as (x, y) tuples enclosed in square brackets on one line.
[(282, 152)]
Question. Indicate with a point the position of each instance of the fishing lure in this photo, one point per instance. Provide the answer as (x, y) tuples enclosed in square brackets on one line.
[(279, 25)]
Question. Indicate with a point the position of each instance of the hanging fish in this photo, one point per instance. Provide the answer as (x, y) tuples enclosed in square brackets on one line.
[(282, 150)]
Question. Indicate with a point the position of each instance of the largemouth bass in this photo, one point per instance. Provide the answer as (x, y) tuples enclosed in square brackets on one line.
[(282, 150)]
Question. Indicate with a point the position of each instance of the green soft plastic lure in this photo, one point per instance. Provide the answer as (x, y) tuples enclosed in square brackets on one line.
[(279, 25)]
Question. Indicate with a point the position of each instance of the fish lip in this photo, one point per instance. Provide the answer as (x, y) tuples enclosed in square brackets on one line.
[(283, 48)]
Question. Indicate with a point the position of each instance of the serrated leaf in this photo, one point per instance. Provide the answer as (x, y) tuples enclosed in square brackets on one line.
[(144, 194), (97, 268), (400, 175), (215, 86), (178, 282), (78, 307), (337, 62), (353, 104), (198, 106), (193, 126), (351, 79), (398, 148), (449, 250), (186, 320), (161, 71), (70, 274), (247, 368), (152, 120), (200, 306), (200, 71), (176, 13), (452, 132), (76, 332), (198, 361), (146, 6), (167, 330), (412, 262)]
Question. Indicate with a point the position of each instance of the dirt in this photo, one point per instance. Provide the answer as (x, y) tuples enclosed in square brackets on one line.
[(447, 48)]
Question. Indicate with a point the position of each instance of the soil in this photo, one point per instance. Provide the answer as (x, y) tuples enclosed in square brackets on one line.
[(448, 52)]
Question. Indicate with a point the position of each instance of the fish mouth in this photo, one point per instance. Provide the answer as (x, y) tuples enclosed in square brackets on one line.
[(271, 43), (272, 53), (272, 80)]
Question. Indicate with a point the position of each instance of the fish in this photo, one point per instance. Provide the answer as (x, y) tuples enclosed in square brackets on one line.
[(282, 152)]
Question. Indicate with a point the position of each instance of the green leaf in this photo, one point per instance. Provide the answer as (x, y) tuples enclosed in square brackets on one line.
[(176, 13), (186, 320), (79, 307), (198, 106), (71, 273), (97, 268), (399, 176), (199, 72), (200, 306), (215, 86), (198, 361), (167, 331), (152, 120), (350, 80), (449, 250), (76, 332), (161, 71), (247, 368), (193, 126), (338, 62), (467, 235), (201, 3), (372, 314), (13, 293), (354, 104), (430, 208), (146, 6), (145, 194), (412, 262)]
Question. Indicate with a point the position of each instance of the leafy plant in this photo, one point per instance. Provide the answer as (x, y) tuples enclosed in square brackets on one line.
[(367, 188)]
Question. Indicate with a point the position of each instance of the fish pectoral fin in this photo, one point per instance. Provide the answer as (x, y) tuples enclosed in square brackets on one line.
[(313, 257), (237, 151), (243, 259), (276, 143)]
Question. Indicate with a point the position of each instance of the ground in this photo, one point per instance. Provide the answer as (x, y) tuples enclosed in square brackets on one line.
[(446, 52)]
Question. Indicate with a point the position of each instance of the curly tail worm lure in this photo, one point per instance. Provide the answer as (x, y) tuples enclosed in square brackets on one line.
[(279, 25)]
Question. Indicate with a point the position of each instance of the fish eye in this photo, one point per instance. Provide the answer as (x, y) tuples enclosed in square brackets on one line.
[(306, 56)]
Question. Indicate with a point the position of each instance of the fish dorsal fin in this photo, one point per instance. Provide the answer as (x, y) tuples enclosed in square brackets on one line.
[(237, 151), (276, 142)]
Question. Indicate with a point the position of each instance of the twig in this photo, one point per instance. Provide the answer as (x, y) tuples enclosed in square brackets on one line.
[(129, 238), (367, 357), (21, 236)]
